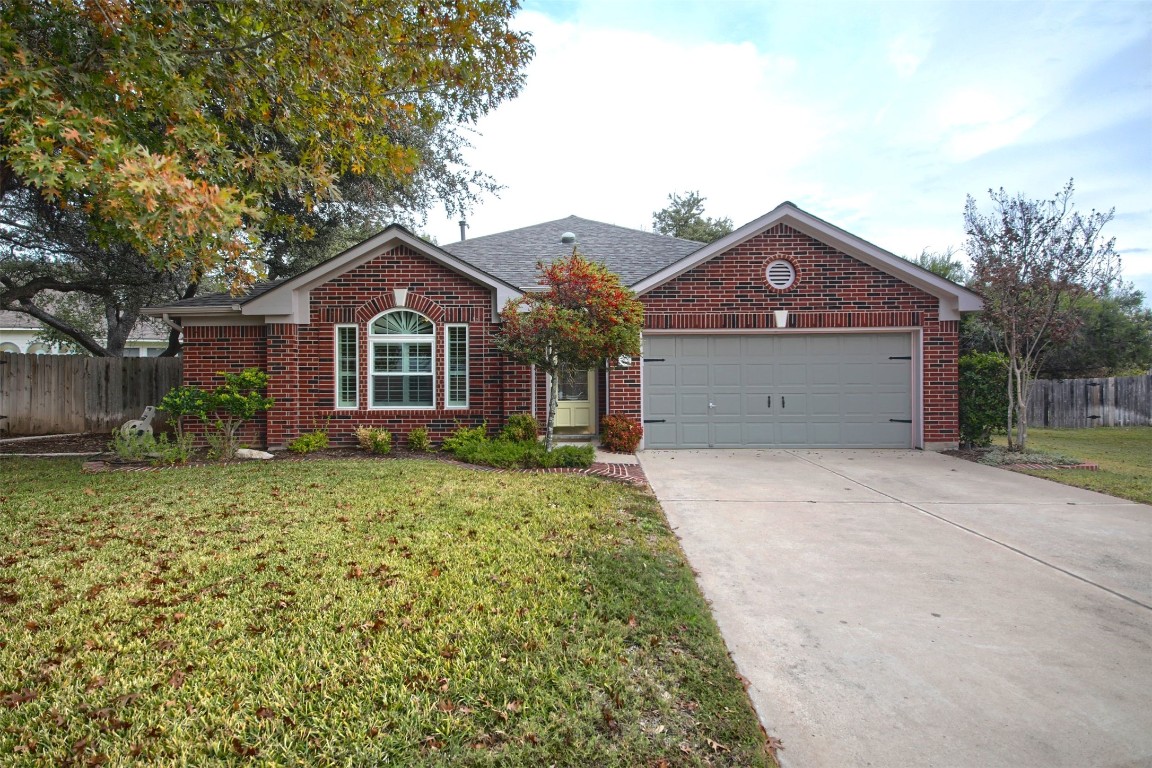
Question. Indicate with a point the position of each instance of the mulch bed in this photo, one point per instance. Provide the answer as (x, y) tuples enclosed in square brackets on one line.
[(95, 446), (975, 455)]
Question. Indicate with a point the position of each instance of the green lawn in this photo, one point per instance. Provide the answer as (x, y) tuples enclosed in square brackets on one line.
[(1123, 453), (353, 613)]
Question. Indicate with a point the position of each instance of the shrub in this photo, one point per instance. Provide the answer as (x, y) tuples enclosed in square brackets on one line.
[(620, 434), (564, 456), (520, 428), (472, 445), (238, 399), (374, 439), (463, 437), (309, 442), (145, 447), (418, 440), (983, 396), (186, 401)]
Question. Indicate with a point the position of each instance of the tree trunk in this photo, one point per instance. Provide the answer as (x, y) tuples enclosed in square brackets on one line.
[(1021, 410), (553, 404), (1011, 405)]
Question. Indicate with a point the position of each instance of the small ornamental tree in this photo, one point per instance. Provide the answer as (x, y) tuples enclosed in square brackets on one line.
[(584, 317), (1032, 261)]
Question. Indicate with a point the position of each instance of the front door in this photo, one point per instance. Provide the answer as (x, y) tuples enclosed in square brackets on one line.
[(575, 412)]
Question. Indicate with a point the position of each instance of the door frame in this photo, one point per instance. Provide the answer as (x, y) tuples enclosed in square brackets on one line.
[(917, 346)]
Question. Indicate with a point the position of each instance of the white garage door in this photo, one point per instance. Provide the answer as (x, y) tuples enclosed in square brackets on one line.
[(819, 390)]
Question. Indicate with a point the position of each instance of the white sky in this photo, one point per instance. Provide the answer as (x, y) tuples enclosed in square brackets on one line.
[(876, 116)]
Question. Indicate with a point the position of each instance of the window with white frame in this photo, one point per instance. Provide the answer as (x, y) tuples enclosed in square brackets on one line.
[(456, 366), (347, 367), (403, 371)]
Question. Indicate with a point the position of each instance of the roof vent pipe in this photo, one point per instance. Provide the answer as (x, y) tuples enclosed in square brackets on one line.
[(568, 238), (463, 226)]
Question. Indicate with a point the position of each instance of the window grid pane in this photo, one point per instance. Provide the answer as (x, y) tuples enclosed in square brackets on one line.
[(402, 374), (456, 365), (346, 365)]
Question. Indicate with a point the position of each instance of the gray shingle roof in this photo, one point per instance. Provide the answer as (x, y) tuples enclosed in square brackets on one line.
[(225, 299), (512, 256)]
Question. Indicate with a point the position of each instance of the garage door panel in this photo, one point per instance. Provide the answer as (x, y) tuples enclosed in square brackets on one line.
[(693, 375), (727, 404), (726, 375), (826, 390), (788, 373), (758, 346), (727, 434), (694, 405), (756, 404), (725, 346), (695, 434), (660, 375), (894, 375), (759, 374), (692, 346), (759, 433)]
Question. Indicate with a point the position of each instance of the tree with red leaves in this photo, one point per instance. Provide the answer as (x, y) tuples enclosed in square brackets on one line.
[(585, 316)]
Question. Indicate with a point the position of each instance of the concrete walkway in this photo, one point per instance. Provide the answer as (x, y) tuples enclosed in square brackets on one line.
[(901, 608)]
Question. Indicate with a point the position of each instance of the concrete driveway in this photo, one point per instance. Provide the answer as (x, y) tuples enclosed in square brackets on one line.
[(902, 608)]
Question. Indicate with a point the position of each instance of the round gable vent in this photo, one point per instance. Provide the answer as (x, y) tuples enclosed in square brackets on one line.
[(780, 274)]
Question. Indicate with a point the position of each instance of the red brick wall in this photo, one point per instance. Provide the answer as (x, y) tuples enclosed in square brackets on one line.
[(211, 349), (832, 290)]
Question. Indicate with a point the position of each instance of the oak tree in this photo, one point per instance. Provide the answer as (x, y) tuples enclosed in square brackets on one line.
[(213, 137), (684, 217)]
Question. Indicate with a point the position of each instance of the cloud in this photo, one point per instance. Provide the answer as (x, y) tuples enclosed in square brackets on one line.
[(880, 122)]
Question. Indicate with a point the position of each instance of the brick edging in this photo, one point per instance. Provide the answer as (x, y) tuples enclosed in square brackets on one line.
[(632, 474)]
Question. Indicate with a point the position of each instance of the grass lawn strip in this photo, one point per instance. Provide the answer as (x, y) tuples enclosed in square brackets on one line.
[(354, 613), (1123, 454)]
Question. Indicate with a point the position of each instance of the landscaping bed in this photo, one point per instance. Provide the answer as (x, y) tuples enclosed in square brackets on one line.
[(354, 612), (1112, 460)]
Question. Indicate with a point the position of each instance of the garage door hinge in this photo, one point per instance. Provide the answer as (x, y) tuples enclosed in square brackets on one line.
[(654, 421), (900, 357), (901, 421)]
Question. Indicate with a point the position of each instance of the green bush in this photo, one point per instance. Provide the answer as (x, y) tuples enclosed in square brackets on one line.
[(520, 428), (464, 437), (983, 396), (620, 434), (565, 456), (374, 439), (145, 447), (238, 399), (471, 444), (418, 440), (310, 442)]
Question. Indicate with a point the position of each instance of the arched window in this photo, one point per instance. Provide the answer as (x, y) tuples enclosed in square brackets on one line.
[(9, 347), (403, 373)]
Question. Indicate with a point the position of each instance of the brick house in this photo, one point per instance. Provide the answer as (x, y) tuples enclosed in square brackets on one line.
[(789, 332)]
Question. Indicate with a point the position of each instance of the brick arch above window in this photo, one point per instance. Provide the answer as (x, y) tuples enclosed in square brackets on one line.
[(386, 301)]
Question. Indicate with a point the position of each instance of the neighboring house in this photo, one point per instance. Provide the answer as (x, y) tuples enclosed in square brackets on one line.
[(398, 332), (19, 332)]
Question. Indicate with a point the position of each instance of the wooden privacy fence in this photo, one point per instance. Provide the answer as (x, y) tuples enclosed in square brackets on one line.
[(1104, 402), (59, 394)]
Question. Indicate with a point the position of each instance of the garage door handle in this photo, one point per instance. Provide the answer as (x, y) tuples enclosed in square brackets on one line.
[(769, 401), (783, 402), (901, 421)]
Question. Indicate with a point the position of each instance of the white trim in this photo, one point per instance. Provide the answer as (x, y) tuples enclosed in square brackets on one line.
[(382, 338), (336, 366), (467, 366), (953, 298), (292, 297)]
